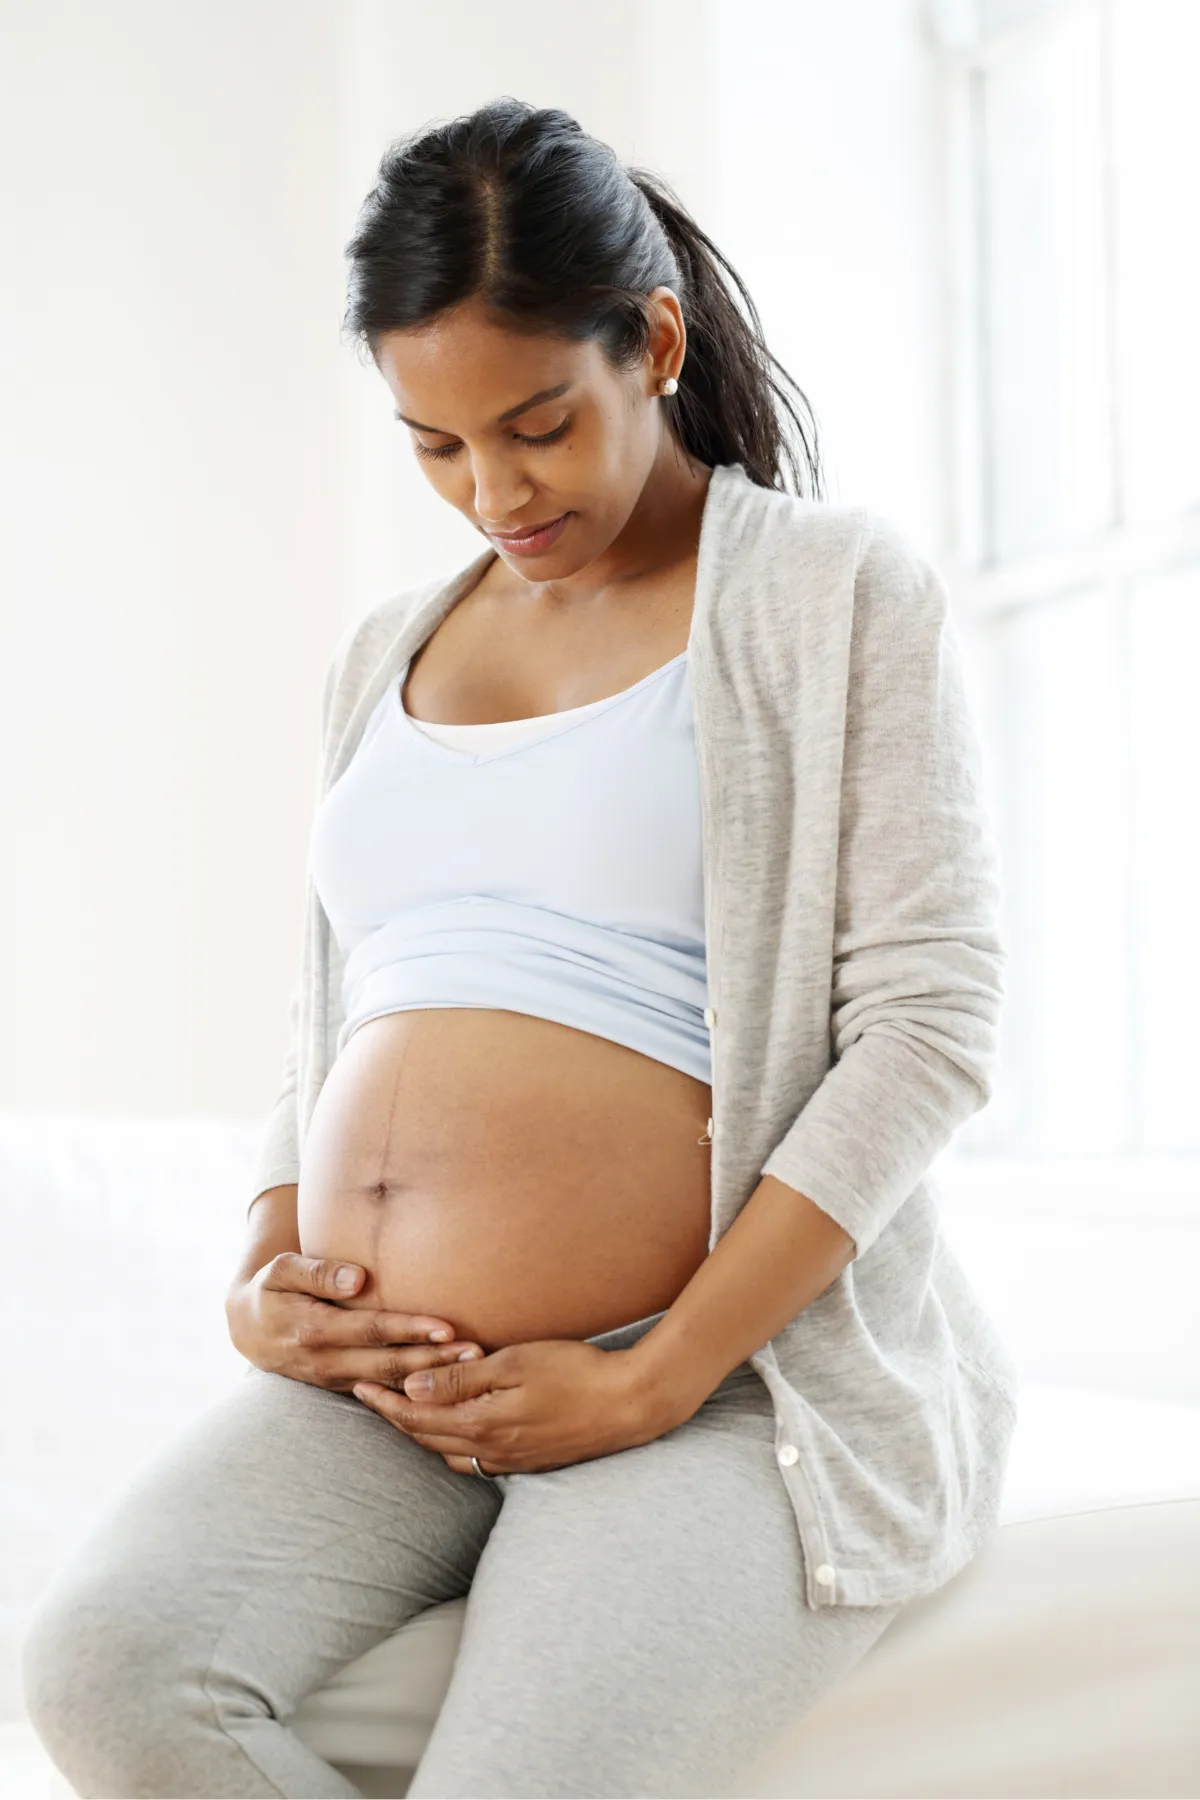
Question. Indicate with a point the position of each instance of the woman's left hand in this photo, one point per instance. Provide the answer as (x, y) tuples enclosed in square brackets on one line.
[(539, 1405)]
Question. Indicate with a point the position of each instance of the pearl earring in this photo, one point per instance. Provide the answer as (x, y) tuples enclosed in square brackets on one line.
[(669, 385)]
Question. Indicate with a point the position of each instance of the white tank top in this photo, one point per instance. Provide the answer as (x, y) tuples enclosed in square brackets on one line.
[(549, 866)]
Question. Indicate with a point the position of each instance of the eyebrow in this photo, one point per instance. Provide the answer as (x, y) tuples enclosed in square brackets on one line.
[(550, 393)]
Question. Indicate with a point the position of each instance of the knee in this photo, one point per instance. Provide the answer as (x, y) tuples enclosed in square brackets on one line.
[(96, 1671), (54, 1662)]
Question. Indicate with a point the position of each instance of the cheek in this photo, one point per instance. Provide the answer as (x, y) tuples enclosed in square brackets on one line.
[(453, 484), (449, 476), (624, 455)]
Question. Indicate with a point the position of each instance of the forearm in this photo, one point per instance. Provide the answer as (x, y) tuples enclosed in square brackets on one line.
[(779, 1254), (271, 1227)]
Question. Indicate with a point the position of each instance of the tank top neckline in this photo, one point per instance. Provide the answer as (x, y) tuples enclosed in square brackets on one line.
[(571, 717)]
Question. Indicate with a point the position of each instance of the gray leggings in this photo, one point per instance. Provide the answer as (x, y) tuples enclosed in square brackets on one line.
[(636, 1624)]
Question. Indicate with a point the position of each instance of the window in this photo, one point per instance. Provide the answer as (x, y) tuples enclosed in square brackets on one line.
[(1072, 149)]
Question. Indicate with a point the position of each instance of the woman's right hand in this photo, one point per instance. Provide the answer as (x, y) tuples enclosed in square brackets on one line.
[(285, 1319)]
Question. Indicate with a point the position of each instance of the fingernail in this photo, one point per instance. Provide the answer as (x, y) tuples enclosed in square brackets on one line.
[(418, 1384), (467, 1355), (439, 1337), (345, 1278)]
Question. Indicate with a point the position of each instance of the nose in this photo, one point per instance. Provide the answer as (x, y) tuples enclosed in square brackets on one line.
[(499, 496)]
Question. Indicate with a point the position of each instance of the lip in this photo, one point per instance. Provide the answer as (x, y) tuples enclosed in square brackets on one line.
[(533, 542)]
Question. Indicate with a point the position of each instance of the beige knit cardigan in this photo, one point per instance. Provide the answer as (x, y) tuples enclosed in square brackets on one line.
[(855, 985)]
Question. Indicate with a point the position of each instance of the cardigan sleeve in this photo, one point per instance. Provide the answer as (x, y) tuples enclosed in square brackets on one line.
[(279, 1152), (278, 1157), (917, 980)]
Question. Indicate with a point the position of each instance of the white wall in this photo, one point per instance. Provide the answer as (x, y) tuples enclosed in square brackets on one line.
[(205, 484), (173, 547)]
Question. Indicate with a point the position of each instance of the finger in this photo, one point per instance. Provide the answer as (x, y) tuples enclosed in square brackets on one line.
[(435, 1434), (340, 1326), (323, 1278), (400, 1328), (413, 1417), (454, 1382), (320, 1276), (462, 1465), (385, 1368), (457, 1446)]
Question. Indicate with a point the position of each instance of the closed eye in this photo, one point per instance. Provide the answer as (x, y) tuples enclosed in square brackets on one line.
[(551, 437)]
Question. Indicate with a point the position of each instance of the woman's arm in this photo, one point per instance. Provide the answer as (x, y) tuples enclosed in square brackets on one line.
[(916, 987), (917, 981), (273, 1226), (278, 1162), (779, 1253)]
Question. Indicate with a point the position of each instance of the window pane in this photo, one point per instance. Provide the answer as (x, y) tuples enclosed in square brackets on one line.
[(1156, 127), (1165, 644), (1056, 710), (1045, 355)]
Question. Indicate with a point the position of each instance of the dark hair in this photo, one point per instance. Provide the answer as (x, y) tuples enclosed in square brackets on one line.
[(519, 205)]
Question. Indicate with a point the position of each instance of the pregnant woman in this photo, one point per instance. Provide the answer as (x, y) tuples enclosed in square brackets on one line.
[(650, 957)]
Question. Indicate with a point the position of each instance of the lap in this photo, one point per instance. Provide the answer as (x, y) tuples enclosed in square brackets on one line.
[(637, 1623), (279, 1536)]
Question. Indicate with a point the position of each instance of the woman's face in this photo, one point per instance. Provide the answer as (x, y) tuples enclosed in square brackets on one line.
[(519, 431)]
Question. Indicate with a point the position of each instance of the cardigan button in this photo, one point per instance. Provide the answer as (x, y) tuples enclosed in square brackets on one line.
[(710, 1017), (788, 1454), (825, 1574)]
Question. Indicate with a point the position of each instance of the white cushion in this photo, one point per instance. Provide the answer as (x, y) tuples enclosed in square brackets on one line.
[(1064, 1660)]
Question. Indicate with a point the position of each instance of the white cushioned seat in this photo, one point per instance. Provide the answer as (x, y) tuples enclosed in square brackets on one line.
[(1065, 1660)]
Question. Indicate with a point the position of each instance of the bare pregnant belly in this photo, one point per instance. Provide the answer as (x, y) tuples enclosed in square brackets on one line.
[(517, 1177)]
